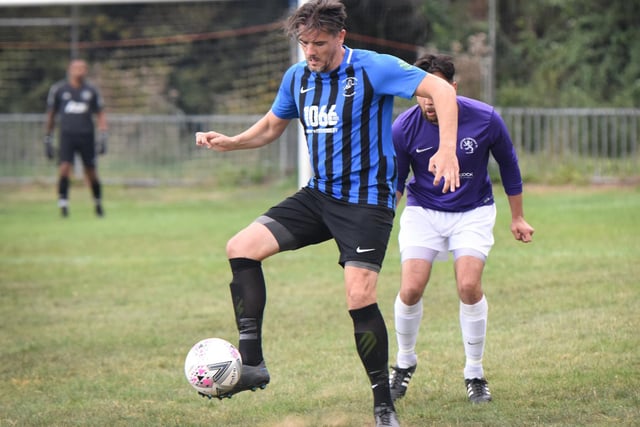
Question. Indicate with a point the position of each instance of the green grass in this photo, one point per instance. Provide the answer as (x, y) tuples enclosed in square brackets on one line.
[(98, 315)]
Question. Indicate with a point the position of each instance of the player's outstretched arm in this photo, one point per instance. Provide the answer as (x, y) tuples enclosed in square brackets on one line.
[(520, 229), (444, 163), (263, 132)]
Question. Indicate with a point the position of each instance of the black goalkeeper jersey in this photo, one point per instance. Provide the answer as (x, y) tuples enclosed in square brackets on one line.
[(75, 106)]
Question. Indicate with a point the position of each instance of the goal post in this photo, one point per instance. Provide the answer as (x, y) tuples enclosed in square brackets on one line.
[(304, 163)]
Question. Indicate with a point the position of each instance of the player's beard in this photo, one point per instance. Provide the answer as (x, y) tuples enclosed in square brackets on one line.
[(316, 65), (429, 113), (321, 66)]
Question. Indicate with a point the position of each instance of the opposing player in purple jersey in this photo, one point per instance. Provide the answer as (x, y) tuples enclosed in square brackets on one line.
[(76, 101), (435, 223), (344, 100)]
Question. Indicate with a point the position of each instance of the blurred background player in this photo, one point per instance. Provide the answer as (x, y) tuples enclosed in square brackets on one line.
[(76, 101), (344, 100), (434, 223)]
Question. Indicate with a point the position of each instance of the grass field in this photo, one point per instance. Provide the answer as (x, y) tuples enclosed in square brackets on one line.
[(98, 315)]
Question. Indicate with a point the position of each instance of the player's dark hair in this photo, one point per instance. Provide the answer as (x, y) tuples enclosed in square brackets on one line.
[(442, 64), (317, 15)]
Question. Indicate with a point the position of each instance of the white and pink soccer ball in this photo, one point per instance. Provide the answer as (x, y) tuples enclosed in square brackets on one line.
[(213, 366)]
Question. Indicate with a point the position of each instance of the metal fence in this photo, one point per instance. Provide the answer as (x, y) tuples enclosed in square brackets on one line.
[(554, 145), (559, 145), (150, 150)]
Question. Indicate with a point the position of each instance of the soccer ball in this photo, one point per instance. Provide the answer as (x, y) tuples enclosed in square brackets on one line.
[(213, 366)]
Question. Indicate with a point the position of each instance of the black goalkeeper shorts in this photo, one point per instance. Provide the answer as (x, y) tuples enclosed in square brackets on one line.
[(82, 143)]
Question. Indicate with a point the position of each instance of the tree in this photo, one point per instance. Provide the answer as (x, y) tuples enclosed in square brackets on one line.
[(551, 53), (572, 53), (395, 21)]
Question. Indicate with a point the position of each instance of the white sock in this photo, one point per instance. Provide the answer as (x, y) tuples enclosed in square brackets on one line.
[(407, 322), (473, 323)]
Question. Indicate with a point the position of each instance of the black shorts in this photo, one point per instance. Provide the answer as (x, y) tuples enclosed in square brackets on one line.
[(310, 217), (82, 143)]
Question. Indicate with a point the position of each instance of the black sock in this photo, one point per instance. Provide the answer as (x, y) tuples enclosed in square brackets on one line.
[(96, 189), (249, 296), (63, 188), (372, 343)]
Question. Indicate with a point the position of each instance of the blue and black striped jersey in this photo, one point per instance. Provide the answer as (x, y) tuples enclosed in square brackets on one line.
[(347, 115)]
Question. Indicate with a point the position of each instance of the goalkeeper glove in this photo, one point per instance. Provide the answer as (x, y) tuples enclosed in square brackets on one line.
[(102, 142), (48, 147)]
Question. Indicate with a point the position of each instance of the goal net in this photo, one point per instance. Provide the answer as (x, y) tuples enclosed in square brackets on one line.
[(213, 57)]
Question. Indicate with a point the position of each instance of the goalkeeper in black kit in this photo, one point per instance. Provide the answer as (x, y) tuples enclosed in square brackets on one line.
[(76, 101)]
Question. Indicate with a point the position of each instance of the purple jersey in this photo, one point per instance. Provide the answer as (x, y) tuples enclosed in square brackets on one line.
[(480, 130)]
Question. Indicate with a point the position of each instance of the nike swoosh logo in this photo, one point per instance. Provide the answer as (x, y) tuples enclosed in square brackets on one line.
[(422, 150), (361, 251), (474, 343), (305, 90)]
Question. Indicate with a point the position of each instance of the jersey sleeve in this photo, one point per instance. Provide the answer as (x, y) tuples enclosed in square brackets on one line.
[(98, 101), (53, 102), (396, 77), (505, 154), (284, 106)]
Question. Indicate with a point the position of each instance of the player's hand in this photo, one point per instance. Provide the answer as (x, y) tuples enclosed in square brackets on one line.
[(521, 230), (214, 141), (49, 151), (102, 142), (444, 165)]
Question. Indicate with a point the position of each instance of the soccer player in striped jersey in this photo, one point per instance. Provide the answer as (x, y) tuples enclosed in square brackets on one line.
[(343, 98), (76, 102), (433, 224)]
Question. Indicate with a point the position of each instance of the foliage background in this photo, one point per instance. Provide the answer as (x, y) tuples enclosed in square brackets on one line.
[(550, 53)]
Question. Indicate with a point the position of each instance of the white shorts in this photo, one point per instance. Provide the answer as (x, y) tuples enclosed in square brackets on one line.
[(429, 234)]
